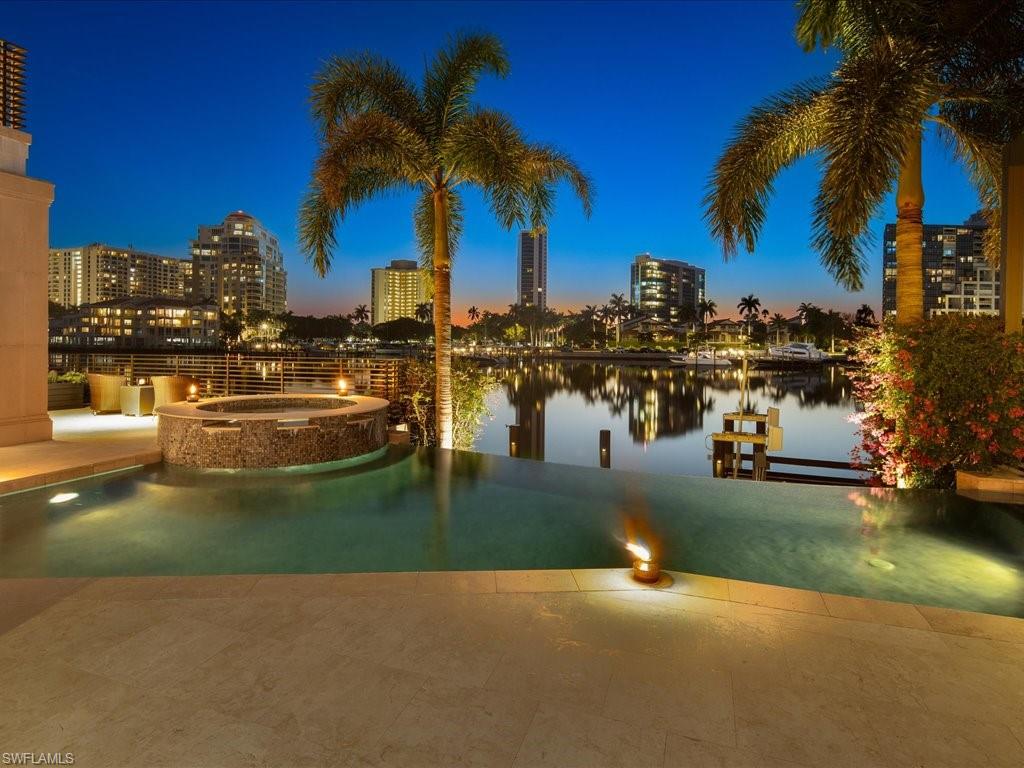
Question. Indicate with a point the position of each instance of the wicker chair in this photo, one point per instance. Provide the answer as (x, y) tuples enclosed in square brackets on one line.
[(170, 389), (105, 392)]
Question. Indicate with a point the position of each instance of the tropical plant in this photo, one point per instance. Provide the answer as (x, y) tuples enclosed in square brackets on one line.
[(380, 133), (806, 308), (749, 306), (779, 323), (469, 403), (926, 414), (619, 311), (865, 315), (424, 312), (473, 313), (707, 309), (361, 314), (515, 333), (955, 66)]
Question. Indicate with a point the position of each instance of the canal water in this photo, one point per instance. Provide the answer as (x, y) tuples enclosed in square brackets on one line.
[(661, 418)]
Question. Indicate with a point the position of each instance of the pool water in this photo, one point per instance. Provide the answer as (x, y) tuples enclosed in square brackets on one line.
[(426, 510)]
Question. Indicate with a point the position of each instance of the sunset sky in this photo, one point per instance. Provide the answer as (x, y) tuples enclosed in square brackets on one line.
[(154, 118)]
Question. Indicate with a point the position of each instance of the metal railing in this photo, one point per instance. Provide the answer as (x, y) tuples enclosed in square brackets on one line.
[(238, 374)]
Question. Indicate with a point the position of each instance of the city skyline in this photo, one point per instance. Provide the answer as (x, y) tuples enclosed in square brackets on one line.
[(667, 160)]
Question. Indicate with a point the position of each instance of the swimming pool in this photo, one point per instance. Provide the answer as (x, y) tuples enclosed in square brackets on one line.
[(424, 510)]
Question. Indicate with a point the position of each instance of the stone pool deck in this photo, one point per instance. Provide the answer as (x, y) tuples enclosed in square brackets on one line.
[(570, 669), (83, 444)]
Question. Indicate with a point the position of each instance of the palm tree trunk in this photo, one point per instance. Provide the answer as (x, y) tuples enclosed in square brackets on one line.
[(442, 322), (910, 236)]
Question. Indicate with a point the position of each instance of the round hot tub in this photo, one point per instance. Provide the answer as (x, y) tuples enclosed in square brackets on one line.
[(267, 431)]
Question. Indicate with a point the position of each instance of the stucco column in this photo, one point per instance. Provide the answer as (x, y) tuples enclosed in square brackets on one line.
[(1011, 267), (24, 237)]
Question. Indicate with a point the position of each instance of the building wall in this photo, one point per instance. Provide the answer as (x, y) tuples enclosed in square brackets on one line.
[(238, 264), (532, 270), (396, 290), (24, 230)]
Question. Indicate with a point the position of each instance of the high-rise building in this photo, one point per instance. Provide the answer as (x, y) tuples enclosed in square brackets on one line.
[(666, 288), (532, 274), (396, 290), (12, 86), (238, 264), (91, 273), (957, 276)]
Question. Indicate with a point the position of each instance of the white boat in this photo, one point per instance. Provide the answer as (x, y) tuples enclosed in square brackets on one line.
[(799, 351), (702, 358)]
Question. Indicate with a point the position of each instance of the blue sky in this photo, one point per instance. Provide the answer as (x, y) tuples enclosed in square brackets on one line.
[(154, 118)]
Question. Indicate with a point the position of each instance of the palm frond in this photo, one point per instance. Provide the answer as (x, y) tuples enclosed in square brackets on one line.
[(546, 166), (982, 160), (317, 222), (874, 108), (320, 213), (854, 25), (452, 77), (776, 134), (345, 87), (375, 142), (423, 225)]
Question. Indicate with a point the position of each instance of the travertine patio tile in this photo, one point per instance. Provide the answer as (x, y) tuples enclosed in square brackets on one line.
[(567, 737), (28, 590), (698, 585), (974, 624), (446, 725), (785, 598), (564, 672), (694, 699), (877, 611), (294, 585), (912, 737), (308, 674), (685, 752), (808, 723), (443, 582), (535, 581), (124, 588), (374, 583), (603, 579), (161, 653), (209, 586)]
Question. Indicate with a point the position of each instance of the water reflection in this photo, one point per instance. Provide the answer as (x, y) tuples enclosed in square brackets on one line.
[(561, 406)]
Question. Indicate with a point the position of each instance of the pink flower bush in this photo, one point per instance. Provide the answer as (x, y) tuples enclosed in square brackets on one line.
[(937, 397)]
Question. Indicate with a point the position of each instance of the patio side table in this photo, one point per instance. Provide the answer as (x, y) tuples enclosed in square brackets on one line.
[(137, 400)]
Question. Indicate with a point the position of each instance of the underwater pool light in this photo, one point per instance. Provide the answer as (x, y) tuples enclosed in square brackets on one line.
[(60, 498)]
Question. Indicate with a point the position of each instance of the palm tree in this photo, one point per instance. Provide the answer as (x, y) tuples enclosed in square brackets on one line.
[(380, 133), (424, 312), (619, 307), (864, 315), (904, 64), (779, 322), (361, 314), (707, 310), (805, 309), (473, 313)]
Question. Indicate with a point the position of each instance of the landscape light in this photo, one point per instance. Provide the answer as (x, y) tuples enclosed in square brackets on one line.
[(60, 498), (644, 568), (193, 394), (342, 386)]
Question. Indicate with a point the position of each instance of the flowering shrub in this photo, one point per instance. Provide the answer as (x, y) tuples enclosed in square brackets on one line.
[(939, 396)]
